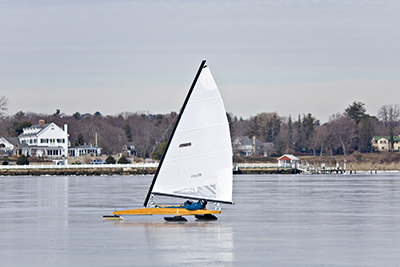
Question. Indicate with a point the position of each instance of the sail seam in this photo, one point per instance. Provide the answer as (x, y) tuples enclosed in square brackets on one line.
[(199, 156), (203, 100), (204, 127)]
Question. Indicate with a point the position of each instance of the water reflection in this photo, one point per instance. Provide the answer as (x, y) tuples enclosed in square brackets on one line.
[(287, 220), (182, 243)]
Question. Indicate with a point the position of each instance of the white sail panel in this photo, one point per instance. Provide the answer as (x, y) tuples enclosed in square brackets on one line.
[(198, 163)]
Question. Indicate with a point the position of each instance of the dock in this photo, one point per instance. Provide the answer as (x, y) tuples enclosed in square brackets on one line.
[(150, 169), (84, 169), (263, 168)]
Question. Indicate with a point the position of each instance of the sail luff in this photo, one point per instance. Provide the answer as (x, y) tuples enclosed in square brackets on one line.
[(173, 131), (198, 163)]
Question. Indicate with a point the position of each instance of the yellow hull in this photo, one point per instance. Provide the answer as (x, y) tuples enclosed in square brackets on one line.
[(165, 211), (107, 217)]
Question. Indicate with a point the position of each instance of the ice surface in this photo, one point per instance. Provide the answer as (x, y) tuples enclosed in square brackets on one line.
[(287, 220)]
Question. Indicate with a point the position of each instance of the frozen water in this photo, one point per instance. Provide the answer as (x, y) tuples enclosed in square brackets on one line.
[(278, 220)]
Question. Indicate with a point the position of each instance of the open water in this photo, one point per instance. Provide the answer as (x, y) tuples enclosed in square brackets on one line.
[(278, 220)]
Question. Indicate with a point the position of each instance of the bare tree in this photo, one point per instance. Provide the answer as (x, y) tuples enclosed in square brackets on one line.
[(317, 140), (344, 130), (3, 105), (389, 114)]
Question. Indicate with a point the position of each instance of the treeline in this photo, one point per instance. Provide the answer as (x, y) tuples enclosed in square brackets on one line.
[(344, 133), (144, 131)]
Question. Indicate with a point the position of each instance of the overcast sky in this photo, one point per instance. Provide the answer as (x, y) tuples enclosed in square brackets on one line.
[(113, 56)]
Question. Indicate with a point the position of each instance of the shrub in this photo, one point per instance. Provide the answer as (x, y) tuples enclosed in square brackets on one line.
[(123, 160), (110, 160), (22, 160)]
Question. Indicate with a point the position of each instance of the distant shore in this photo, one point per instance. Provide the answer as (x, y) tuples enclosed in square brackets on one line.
[(355, 162), (382, 161)]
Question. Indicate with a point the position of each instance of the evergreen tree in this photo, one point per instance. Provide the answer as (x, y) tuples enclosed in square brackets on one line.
[(299, 137), (290, 132), (356, 111), (128, 132), (19, 126), (76, 115), (157, 154), (123, 160), (57, 113), (110, 160)]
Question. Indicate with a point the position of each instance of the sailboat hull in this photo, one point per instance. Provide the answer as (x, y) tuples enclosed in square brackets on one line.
[(165, 211)]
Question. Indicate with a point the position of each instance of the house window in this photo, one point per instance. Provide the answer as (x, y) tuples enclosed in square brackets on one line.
[(53, 152), (42, 141), (60, 140)]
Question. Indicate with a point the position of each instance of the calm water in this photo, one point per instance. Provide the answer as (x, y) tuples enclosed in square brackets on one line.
[(286, 220)]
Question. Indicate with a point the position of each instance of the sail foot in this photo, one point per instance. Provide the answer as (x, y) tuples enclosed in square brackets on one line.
[(206, 192)]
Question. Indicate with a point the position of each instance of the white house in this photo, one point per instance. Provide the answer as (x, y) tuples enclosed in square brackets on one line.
[(76, 151), (288, 160), (245, 146), (44, 139), (8, 144)]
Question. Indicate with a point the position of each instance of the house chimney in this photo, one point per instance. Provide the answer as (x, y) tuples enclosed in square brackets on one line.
[(66, 128), (41, 122)]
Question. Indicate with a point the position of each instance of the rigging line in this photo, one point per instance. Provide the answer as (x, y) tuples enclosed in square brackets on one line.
[(166, 131)]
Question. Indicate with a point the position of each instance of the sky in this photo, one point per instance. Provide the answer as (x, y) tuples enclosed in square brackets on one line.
[(113, 56)]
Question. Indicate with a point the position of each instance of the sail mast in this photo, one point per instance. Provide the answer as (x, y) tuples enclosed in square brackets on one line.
[(173, 131)]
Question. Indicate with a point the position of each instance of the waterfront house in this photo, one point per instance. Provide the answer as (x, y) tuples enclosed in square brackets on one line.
[(242, 146), (44, 140), (245, 146), (77, 151), (382, 143), (129, 149), (8, 145), (288, 160)]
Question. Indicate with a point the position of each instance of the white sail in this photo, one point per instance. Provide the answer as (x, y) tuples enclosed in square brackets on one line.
[(198, 163)]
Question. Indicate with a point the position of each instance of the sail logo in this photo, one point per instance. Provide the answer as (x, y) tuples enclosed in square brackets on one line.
[(185, 145), (197, 175)]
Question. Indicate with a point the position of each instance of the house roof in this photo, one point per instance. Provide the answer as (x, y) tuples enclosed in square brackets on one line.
[(12, 140), (288, 157), (22, 146), (41, 128), (395, 138), (85, 147), (245, 141)]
